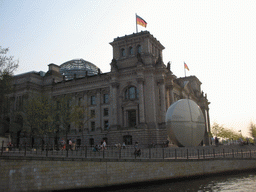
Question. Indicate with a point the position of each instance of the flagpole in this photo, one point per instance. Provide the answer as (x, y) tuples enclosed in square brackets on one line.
[(136, 23), (184, 68)]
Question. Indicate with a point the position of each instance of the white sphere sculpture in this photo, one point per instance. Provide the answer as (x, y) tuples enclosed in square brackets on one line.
[(185, 123)]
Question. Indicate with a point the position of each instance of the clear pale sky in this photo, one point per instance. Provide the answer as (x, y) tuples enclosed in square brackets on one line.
[(215, 38)]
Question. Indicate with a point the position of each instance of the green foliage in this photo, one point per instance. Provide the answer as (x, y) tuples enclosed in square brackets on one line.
[(7, 67), (45, 115), (5, 83), (39, 114), (7, 64), (80, 115), (225, 133), (63, 112), (77, 115), (252, 130)]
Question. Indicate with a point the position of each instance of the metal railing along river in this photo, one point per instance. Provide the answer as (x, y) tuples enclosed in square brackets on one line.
[(129, 152)]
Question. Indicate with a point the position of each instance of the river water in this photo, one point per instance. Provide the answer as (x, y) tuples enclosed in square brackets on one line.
[(241, 182), (235, 182)]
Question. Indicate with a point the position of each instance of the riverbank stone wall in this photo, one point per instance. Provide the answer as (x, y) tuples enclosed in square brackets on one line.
[(55, 174)]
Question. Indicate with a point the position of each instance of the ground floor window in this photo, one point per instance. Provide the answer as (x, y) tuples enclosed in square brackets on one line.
[(92, 126), (127, 139), (106, 125), (105, 112), (78, 142), (91, 141)]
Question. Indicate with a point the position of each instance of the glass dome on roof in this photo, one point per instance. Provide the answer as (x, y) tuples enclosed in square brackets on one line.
[(78, 67)]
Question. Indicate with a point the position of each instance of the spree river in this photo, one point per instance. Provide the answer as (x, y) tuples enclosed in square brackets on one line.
[(241, 182)]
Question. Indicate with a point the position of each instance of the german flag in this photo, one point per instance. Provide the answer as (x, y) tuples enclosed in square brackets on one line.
[(185, 66), (141, 21)]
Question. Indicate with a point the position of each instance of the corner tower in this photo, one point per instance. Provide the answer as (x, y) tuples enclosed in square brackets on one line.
[(137, 47)]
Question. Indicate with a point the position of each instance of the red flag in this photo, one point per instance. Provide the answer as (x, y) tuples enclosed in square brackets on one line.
[(185, 66), (141, 21)]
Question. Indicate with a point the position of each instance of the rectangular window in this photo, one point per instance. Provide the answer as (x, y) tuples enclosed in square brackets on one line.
[(92, 126), (93, 101), (132, 92), (106, 126), (92, 113), (91, 141), (105, 112), (58, 105), (105, 98), (127, 139), (79, 101), (68, 103)]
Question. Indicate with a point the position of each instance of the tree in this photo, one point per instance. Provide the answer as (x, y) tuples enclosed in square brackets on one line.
[(252, 130), (225, 133), (63, 113), (39, 115), (7, 67), (7, 64), (80, 116)]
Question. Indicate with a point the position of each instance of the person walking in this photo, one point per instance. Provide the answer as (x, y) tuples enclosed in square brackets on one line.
[(104, 145), (70, 144), (137, 150), (216, 141), (123, 145), (63, 146)]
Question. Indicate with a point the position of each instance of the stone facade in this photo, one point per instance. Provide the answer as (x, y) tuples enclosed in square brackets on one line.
[(130, 101)]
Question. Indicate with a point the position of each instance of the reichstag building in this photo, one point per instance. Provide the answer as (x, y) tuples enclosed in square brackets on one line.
[(129, 102)]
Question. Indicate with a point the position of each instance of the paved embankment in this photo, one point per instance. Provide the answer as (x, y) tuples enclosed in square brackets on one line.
[(53, 173)]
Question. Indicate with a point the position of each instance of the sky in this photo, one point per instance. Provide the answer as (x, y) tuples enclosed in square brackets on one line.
[(215, 38)]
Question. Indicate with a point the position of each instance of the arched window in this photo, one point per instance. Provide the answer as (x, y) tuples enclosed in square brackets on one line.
[(122, 52), (131, 93), (139, 49), (130, 50)]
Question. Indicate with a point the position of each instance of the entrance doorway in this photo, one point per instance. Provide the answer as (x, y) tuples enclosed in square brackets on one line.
[(131, 118)]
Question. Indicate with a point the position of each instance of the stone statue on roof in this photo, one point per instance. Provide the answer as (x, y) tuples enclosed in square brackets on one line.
[(169, 66), (113, 64)]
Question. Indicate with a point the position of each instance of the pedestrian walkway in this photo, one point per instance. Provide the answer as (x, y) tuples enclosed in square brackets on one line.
[(112, 152)]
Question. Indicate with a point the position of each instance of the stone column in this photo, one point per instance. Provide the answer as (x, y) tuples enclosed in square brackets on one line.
[(171, 95), (206, 137), (208, 120), (150, 99), (86, 125), (113, 114), (163, 100), (141, 100), (208, 125), (167, 97), (86, 100), (98, 110), (125, 119)]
